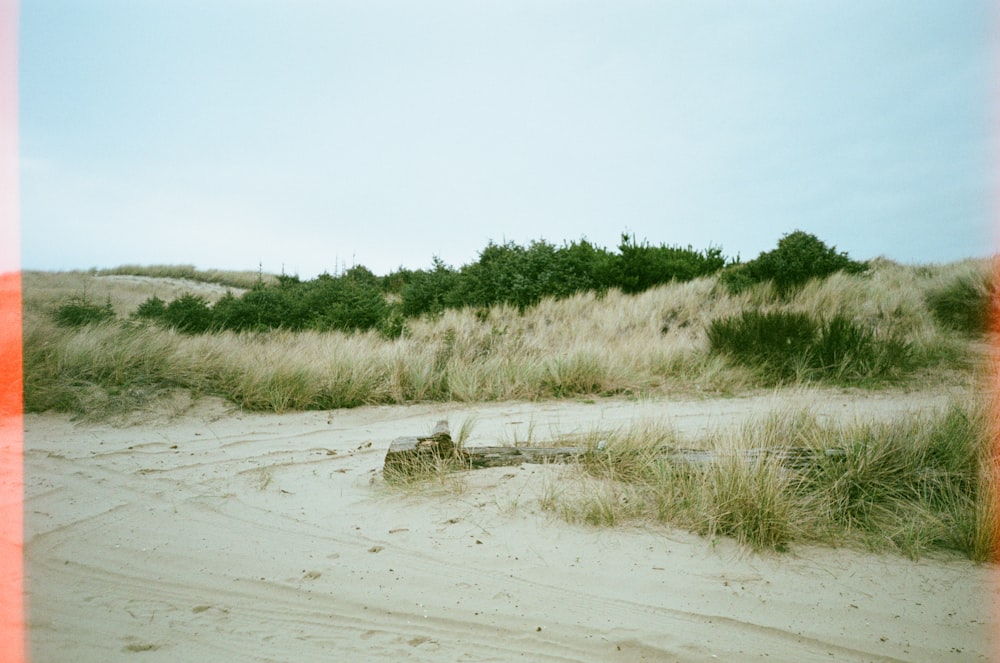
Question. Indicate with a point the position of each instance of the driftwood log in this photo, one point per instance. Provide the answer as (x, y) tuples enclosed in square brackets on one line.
[(407, 453)]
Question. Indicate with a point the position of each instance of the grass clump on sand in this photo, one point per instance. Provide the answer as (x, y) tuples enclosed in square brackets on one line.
[(964, 303), (915, 486), (786, 345)]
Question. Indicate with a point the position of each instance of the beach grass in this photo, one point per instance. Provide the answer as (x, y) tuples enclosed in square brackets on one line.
[(917, 486), (588, 344)]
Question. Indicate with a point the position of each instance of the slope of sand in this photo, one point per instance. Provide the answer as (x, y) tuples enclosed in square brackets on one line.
[(214, 535)]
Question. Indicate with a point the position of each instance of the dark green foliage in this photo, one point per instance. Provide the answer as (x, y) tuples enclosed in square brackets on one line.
[(285, 280), (78, 311), (522, 276), (786, 346), (848, 352), (261, 307), (737, 277), (504, 274), (778, 342), (230, 313), (153, 308), (963, 305), (353, 301), (394, 282), (798, 258), (585, 267), (641, 266), (189, 314), (428, 292)]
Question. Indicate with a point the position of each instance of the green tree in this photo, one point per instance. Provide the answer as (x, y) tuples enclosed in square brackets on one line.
[(188, 313), (798, 258)]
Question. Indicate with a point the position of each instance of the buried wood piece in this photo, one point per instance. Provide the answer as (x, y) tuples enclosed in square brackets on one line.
[(406, 454), (479, 457)]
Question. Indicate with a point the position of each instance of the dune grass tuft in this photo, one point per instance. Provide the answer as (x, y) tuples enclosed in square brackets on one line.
[(915, 486)]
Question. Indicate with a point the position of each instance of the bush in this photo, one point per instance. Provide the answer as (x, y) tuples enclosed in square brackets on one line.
[(963, 305), (639, 267), (77, 312), (508, 274), (260, 308), (353, 301), (428, 292), (798, 258), (785, 346), (349, 302), (189, 314), (522, 276), (153, 308)]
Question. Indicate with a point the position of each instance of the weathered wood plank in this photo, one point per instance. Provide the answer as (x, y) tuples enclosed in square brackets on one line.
[(479, 457), (406, 453)]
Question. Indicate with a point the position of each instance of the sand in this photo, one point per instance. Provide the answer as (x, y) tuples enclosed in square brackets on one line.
[(206, 534)]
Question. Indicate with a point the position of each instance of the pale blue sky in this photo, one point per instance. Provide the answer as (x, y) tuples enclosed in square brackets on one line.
[(306, 134)]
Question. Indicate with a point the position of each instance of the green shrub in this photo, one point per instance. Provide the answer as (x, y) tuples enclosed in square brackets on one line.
[(77, 312), (507, 274), (349, 302), (584, 267), (228, 313), (428, 291), (521, 276), (639, 267), (353, 301), (260, 308), (188, 313), (963, 305), (153, 308), (798, 258)]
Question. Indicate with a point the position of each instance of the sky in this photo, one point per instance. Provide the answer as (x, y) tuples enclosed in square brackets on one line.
[(304, 136)]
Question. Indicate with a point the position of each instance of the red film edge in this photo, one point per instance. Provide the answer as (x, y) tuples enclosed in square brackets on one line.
[(12, 596)]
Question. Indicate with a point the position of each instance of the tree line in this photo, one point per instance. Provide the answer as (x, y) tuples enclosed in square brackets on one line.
[(506, 273)]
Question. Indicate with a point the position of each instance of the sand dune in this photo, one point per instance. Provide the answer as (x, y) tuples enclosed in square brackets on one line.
[(214, 535)]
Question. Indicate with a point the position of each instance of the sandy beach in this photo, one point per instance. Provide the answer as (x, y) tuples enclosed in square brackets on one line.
[(202, 533)]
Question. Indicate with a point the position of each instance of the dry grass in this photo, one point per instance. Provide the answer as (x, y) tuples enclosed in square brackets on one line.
[(654, 342), (45, 291), (241, 280), (915, 486)]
